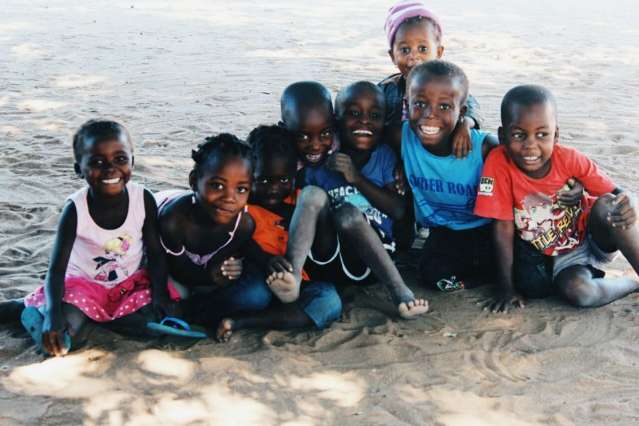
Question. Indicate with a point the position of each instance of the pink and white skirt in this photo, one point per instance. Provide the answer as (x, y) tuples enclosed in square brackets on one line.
[(99, 303)]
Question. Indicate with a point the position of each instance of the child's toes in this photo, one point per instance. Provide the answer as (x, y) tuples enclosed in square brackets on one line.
[(411, 309)]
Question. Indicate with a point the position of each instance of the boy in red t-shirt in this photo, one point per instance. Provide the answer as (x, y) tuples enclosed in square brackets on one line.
[(544, 246)]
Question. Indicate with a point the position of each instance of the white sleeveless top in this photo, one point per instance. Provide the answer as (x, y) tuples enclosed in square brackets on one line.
[(104, 256)]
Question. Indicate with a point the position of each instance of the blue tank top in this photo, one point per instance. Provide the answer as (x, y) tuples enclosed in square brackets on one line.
[(444, 188)]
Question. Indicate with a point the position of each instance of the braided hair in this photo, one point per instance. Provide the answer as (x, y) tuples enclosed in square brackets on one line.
[(268, 142), (216, 149)]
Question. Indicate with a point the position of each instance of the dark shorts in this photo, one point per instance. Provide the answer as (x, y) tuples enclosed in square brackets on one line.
[(534, 272), (467, 255), (334, 268)]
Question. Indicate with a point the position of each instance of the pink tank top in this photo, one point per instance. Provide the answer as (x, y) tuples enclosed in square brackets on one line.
[(107, 256)]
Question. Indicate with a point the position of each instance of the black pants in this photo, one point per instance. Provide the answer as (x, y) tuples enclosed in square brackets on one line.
[(467, 254)]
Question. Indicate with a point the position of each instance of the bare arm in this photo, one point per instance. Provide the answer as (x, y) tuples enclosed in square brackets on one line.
[(506, 297), (54, 323), (157, 266), (473, 113), (490, 142), (385, 199), (54, 283)]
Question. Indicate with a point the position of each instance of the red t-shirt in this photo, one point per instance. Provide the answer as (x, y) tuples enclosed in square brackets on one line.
[(507, 193), (271, 231)]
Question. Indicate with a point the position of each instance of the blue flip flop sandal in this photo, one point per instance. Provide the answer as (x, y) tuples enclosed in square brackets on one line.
[(32, 320), (176, 327)]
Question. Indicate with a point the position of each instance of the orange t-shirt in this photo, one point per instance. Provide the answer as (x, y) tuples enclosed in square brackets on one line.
[(271, 230)]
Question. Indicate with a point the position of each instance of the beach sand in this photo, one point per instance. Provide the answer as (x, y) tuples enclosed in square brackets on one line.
[(177, 71)]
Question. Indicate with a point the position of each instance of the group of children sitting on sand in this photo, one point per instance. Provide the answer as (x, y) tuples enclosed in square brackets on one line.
[(271, 228)]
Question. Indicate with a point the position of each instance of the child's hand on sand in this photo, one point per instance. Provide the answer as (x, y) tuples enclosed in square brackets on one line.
[(504, 302), (461, 139), (624, 213), (342, 163), (227, 271), (53, 329), (571, 193)]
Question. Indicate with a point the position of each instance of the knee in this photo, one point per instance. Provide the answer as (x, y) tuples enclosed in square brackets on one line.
[(582, 293), (313, 197), (348, 217), (601, 209)]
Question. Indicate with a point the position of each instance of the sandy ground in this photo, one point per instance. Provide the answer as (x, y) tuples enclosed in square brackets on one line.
[(177, 71)]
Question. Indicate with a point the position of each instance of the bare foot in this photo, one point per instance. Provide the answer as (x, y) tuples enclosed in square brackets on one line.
[(413, 308), (224, 330), (284, 285)]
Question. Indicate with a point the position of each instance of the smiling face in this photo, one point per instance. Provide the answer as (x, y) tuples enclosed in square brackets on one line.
[(435, 106), (415, 43), (530, 137), (361, 120), (273, 180), (222, 189), (314, 136), (106, 165)]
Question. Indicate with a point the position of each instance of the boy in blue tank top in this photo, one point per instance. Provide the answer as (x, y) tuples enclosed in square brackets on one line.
[(458, 252)]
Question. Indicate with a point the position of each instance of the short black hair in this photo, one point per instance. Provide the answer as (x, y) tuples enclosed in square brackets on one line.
[(418, 20), (352, 90), (301, 97), (268, 142), (217, 148), (525, 95), (438, 68), (100, 131)]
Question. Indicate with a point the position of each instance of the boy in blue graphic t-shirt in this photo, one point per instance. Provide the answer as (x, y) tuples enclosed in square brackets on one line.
[(458, 252)]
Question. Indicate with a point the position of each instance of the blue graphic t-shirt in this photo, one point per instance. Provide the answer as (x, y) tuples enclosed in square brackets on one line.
[(379, 170), (444, 188)]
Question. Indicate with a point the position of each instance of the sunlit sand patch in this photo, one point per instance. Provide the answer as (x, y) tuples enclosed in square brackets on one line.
[(110, 402), (345, 390), (77, 81), (51, 126), (73, 376), (301, 421), (464, 408), (166, 364), (162, 162), (14, 27), (226, 407), (27, 51), (10, 130), (232, 366), (39, 105), (627, 55)]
